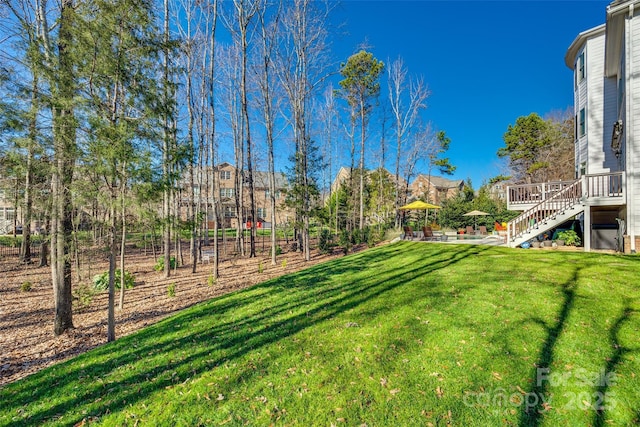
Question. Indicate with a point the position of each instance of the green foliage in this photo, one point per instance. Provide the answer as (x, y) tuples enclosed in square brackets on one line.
[(570, 238), (83, 296), (278, 250), (325, 241), (443, 164), (160, 264), (361, 79), (284, 263), (25, 286), (101, 281), (211, 280), (171, 290), (345, 241), (540, 149), (260, 267)]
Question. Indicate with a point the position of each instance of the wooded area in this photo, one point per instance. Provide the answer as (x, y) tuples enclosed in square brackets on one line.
[(115, 117)]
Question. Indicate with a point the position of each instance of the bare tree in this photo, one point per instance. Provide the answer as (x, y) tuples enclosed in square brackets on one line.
[(405, 113), (302, 68), (268, 103)]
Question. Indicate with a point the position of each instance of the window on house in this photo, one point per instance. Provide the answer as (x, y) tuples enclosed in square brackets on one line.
[(580, 68), (227, 192), (10, 214), (225, 175), (582, 125), (267, 194), (262, 213), (229, 211)]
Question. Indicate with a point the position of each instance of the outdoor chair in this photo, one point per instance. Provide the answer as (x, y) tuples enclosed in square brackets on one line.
[(498, 227), (483, 230), (427, 233), (408, 233), (470, 230)]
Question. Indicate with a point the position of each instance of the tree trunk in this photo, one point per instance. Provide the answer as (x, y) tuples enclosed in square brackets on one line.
[(123, 239), (111, 318), (64, 158)]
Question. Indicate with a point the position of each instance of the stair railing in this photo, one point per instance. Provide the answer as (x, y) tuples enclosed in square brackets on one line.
[(564, 199)]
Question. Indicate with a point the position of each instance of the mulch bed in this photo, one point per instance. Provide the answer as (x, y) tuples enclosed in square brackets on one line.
[(27, 342)]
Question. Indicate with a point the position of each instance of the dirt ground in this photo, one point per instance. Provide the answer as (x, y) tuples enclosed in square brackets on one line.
[(27, 342)]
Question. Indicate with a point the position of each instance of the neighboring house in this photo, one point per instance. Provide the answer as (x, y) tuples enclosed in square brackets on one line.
[(7, 214), (605, 196), (343, 176), (498, 191), (434, 189), (225, 194)]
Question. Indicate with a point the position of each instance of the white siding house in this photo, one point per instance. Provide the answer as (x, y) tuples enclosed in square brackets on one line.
[(605, 195)]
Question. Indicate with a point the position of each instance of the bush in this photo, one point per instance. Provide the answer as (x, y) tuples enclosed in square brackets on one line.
[(278, 250), (83, 296), (160, 264), (171, 290), (570, 238), (211, 280), (25, 287), (325, 241), (101, 281), (345, 241)]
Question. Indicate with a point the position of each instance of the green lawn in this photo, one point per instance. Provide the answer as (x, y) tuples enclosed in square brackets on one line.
[(405, 334)]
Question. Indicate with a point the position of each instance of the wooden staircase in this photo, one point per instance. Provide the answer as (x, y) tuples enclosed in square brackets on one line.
[(548, 214)]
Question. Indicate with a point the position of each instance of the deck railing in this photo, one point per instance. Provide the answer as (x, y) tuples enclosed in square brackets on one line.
[(604, 185), (535, 193), (554, 197), (561, 200)]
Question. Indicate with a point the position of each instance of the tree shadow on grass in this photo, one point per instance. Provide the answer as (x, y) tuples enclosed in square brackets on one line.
[(532, 415), (607, 380), (191, 343)]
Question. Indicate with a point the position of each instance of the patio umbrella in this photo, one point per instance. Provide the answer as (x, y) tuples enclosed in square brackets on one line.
[(475, 214), (419, 205)]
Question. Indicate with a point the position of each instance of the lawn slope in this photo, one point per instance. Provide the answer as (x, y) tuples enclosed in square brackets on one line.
[(405, 334)]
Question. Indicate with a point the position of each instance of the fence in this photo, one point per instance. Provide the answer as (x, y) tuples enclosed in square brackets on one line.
[(227, 245)]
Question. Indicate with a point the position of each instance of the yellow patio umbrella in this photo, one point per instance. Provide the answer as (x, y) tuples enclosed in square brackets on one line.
[(419, 205)]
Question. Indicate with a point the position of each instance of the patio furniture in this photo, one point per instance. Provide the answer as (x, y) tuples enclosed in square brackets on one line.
[(427, 234), (470, 230), (408, 233), (483, 230)]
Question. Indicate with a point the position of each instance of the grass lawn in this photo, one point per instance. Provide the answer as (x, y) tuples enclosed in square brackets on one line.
[(404, 334)]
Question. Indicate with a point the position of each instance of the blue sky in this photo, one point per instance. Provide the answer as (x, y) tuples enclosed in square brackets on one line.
[(486, 62)]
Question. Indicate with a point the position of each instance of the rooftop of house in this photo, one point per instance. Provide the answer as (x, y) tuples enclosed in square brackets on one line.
[(441, 182)]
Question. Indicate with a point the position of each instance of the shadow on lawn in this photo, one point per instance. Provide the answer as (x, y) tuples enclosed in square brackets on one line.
[(532, 415), (187, 345), (619, 350)]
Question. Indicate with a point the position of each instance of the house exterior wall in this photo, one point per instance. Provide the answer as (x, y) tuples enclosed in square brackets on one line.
[(225, 194), (435, 193), (632, 122), (610, 93)]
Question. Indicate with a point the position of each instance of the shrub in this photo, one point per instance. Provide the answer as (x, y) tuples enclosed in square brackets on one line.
[(83, 296), (325, 241), (171, 290), (211, 280), (278, 250), (284, 263), (345, 241), (260, 268), (160, 264), (101, 281), (25, 287), (570, 237)]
